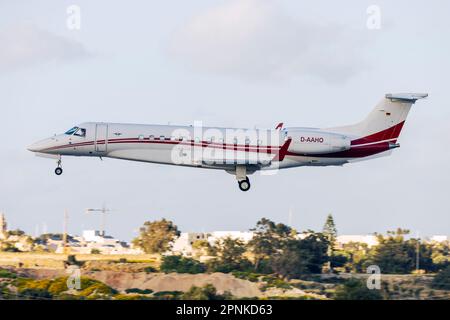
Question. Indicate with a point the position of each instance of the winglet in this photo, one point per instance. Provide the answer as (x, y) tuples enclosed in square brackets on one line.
[(283, 150), (279, 126)]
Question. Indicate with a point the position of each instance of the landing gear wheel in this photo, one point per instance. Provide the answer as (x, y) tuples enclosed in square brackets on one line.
[(58, 171), (244, 185)]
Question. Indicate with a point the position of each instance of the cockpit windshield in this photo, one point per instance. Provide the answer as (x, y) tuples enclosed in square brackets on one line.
[(71, 131), (80, 132)]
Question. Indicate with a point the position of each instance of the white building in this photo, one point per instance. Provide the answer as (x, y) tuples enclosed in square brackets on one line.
[(369, 240), (183, 244), (95, 240), (439, 238), (244, 236)]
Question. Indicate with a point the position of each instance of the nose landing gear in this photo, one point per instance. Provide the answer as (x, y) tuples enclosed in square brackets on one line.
[(59, 170)]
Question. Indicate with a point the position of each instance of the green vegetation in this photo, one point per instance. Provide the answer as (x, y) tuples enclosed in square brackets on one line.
[(394, 254), (57, 288), (277, 257), (156, 236), (139, 291), (355, 289), (7, 274), (167, 295), (181, 265), (301, 257), (442, 280), (269, 238), (150, 269), (207, 292), (229, 256)]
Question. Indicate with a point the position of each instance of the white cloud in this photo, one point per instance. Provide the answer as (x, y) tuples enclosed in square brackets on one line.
[(255, 39), (25, 45)]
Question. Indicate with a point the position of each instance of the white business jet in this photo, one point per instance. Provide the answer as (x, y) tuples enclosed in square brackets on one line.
[(238, 151)]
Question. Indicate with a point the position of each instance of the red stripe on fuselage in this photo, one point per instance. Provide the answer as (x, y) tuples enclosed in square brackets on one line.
[(390, 133), (204, 144)]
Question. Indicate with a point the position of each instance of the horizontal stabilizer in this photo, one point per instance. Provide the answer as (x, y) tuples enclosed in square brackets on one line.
[(412, 97)]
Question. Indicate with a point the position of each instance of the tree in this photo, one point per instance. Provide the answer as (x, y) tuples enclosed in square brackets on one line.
[(201, 248), (391, 254), (330, 232), (357, 254), (394, 254), (156, 236), (230, 256), (355, 289), (441, 254), (300, 257), (269, 238), (329, 229)]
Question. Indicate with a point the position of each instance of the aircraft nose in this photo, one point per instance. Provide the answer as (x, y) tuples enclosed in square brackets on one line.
[(35, 147), (39, 146)]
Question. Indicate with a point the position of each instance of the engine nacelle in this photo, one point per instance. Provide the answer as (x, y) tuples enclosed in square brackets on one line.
[(316, 142)]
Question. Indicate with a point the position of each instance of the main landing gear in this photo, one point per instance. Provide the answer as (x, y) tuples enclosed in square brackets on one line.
[(244, 185), (59, 170), (241, 177)]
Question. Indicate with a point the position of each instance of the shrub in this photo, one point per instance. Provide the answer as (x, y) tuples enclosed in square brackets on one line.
[(207, 292), (95, 251), (97, 288), (275, 282), (35, 293), (442, 280), (7, 274), (167, 295), (58, 286), (129, 297), (139, 291), (181, 264), (253, 277), (355, 289), (150, 269)]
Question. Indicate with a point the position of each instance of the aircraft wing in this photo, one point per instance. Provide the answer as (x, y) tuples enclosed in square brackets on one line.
[(261, 157)]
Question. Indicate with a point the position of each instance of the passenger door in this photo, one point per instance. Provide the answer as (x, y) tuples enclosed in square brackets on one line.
[(101, 137)]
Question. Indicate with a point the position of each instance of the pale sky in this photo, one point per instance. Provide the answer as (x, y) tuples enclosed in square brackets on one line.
[(240, 63)]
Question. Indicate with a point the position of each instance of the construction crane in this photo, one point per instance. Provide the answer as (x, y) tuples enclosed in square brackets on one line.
[(103, 211)]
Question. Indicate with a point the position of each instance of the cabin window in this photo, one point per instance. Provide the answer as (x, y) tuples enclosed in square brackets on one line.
[(235, 140), (141, 137), (247, 141), (221, 140), (161, 137), (80, 132), (259, 142), (197, 140), (71, 131), (152, 137)]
